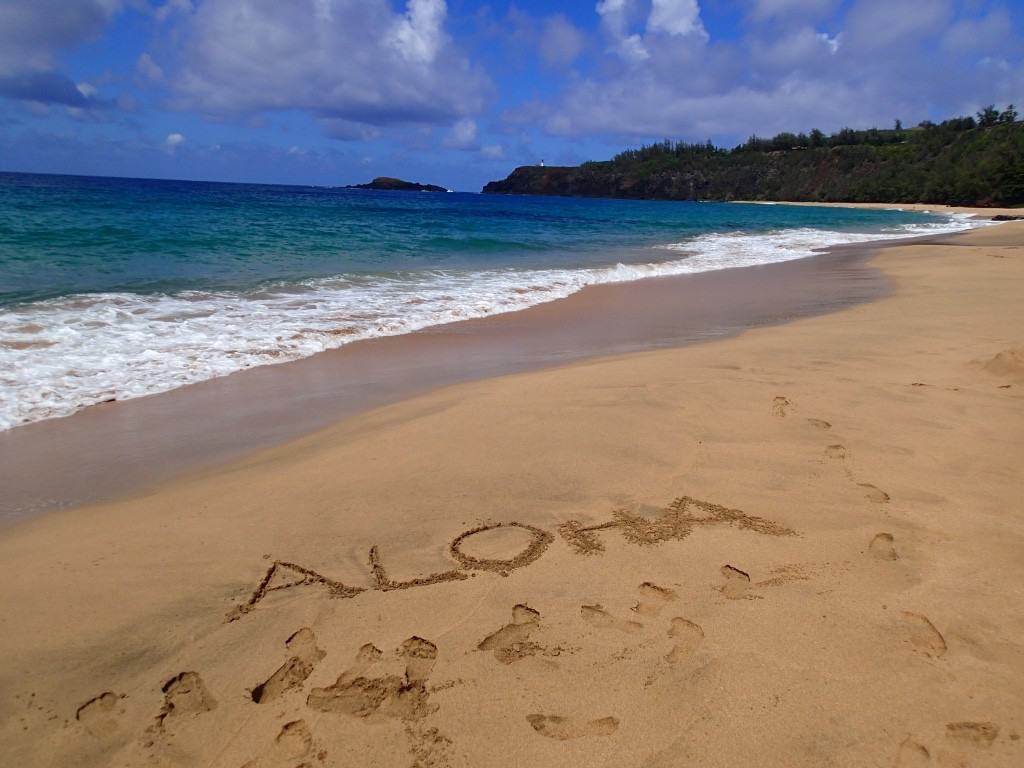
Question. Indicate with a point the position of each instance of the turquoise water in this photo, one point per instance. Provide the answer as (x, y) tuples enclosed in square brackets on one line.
[(116, 288)]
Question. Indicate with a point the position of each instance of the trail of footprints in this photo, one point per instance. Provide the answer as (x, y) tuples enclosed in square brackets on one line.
[(959, 740), (369, 691), (513, 642), (381, 687), (781, 407)]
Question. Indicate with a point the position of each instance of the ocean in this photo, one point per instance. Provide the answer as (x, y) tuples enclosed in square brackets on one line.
[(117, 288)]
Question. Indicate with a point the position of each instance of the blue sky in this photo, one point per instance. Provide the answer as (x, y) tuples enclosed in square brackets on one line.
[(458, 92)]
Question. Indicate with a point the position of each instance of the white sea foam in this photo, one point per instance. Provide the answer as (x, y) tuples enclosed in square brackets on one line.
[(61, 355)]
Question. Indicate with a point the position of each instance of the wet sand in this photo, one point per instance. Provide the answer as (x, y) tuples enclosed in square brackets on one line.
[(920, 207), (115, 449), (793, 548)]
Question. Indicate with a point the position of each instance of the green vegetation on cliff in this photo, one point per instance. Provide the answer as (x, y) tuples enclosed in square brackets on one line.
[(963, 161)]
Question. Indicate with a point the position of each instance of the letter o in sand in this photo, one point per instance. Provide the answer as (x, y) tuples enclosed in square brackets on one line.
[(540, 541)]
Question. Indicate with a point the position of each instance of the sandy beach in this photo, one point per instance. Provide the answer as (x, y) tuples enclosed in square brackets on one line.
[(800, 546), (986, 213)]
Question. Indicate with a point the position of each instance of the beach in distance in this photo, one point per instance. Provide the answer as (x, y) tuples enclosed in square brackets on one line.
[(796, 544)]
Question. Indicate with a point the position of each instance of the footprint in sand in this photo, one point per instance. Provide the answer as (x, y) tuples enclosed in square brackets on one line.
[(923, 635), (780, 406), (597, 616), (290, 746), (429, 747), (882, 547), (563, 728), (819, 423), (100, 715), (874, 493), (912, 755), (837, 452), (653, 599), (184, 695), (512, 642), (404, 697), (737, 583), (688, 637), (293, 673), (978, 734)]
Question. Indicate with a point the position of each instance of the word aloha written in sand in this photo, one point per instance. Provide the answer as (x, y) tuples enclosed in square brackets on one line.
[(677, 521)]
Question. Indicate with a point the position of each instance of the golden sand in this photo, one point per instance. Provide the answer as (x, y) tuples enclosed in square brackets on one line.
[(800, 547)]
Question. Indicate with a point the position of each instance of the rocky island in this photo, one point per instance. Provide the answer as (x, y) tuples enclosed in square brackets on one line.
[(397, 185)]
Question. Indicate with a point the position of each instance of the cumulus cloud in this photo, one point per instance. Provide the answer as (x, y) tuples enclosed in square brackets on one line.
[(676, 17), (492, 152), (791, 68), (832, 43), (350, 63), (805, 9), (616, 21), (33, 34), (881, 23), (173, 140), (419, 34), (171, 7), (49, 88), (462, 135), (148, 68), (561, 42), (985, 33)]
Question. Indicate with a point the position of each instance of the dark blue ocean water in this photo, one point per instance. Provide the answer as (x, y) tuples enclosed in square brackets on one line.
[(124, 287)]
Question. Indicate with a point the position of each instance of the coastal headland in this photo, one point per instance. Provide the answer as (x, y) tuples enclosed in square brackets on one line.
[(650, 559), (961, 161)]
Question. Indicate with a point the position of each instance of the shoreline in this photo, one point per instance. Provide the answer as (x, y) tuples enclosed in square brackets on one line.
[(978, 213), (65, 462), (62, 463), (498, 568)]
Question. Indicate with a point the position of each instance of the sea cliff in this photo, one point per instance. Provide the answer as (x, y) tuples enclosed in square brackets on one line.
[(959, 162)]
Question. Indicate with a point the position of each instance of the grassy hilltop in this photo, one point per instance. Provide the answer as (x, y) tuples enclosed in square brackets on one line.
[(962, 161)]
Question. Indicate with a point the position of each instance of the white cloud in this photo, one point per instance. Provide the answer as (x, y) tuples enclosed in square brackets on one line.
[(33, 32), (418, 35), (174, 140), (676, 17), (148, 68), (616, 18), (985, 33), (832, 43), (805, 9), (561, 42), (171, 7), (462, 134), (353, 64), (880, 23), (790, 70), (492, 152)]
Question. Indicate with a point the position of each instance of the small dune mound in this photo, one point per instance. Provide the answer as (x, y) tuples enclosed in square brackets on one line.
[(1009, 362)]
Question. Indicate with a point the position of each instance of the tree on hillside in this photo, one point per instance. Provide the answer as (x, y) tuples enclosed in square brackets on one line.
[(1009, 116), (988, 116)]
